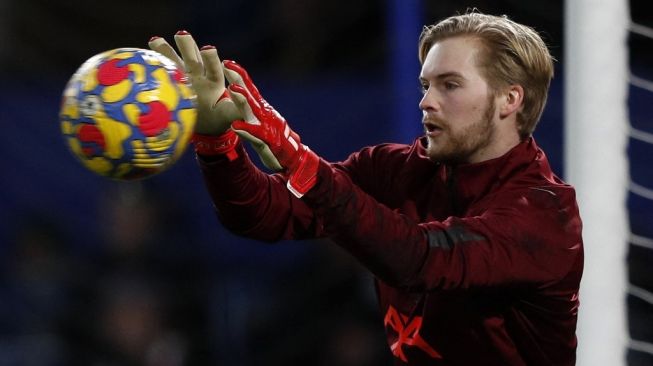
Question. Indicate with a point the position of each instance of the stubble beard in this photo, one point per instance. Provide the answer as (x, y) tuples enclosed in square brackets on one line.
[(459, 147)]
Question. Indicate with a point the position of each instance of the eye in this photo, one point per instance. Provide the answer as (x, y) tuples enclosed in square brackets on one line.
[(450, 85), (424, 87)]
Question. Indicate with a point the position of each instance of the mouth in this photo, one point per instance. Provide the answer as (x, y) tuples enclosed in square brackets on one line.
[(432, 129)]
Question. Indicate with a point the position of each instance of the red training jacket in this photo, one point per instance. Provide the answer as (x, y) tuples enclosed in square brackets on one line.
[(475, 264)]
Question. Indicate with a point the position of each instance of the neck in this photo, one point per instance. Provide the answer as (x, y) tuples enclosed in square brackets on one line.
[(502, 141)]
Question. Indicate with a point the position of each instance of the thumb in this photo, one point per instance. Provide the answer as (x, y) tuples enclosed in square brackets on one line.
[(261, 148), (240, 126)]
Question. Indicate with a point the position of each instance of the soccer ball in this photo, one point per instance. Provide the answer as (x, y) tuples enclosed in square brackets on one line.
[(127, 113)]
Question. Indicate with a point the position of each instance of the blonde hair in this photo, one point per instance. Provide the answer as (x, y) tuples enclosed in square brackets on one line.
[(512, 54)]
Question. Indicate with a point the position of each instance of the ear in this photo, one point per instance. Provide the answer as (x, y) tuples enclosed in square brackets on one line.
[(511, 101)]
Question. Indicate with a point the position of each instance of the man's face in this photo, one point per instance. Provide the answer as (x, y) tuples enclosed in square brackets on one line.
[(458, 107)]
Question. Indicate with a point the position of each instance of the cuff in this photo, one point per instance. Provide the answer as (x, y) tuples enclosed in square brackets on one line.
[(225, 144)]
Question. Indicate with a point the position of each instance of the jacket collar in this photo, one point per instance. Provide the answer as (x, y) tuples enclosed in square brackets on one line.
[(473, 181)]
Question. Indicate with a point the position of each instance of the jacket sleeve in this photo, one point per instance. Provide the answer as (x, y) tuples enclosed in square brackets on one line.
[(254, 204), (529, 237)]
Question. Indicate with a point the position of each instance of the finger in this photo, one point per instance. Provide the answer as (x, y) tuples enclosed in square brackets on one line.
[(212, 65), (161, 46), (189, 53), (245, 103), (232, 76), (232, 69)]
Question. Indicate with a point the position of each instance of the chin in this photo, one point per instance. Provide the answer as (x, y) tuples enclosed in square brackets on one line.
[(444, 154), (435, 152)]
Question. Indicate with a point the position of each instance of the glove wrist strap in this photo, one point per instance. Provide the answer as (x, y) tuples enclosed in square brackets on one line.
[(304, 176), (209, 145)]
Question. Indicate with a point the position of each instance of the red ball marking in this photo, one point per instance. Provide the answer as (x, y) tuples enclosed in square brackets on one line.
[(91, 137), (179, 76), (156, 120), (109, 73)]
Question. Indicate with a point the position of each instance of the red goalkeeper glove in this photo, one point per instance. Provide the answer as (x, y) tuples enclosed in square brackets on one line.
[(280, 147)]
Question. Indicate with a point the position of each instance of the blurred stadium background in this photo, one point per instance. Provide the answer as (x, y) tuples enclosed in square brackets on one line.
[(97, 272)]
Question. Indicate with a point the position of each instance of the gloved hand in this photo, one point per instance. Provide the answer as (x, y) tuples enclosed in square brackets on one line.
[(215, 109), (280, 147)]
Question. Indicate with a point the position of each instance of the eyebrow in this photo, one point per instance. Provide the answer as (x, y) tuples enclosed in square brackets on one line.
[(450, 74), (445, 75)]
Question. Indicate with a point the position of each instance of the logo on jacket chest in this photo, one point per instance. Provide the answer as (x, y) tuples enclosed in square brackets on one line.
[(407, 330)]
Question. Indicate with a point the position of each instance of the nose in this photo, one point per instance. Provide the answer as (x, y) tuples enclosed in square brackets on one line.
[(429, 101)]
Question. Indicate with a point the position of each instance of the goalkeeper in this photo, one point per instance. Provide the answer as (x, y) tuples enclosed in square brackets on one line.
[(475, 244)]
